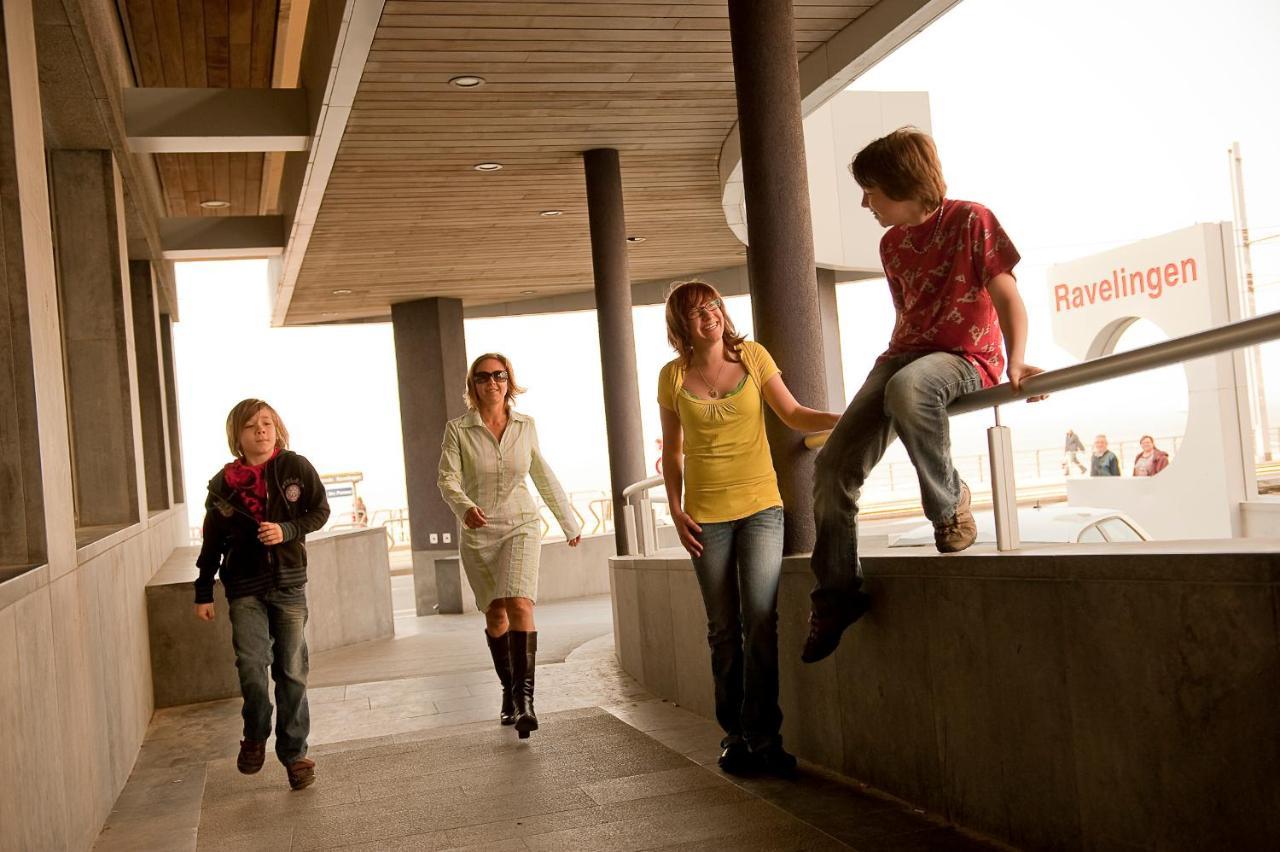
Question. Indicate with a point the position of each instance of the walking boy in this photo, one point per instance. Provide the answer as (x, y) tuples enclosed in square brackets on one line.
[(949, 266)]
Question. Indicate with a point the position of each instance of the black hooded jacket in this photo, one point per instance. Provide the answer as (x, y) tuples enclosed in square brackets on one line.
[(296, 500)]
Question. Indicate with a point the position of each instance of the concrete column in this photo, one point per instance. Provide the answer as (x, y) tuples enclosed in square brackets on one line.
[(431, 364), (22, 535), (617, 337), (784, 290), (833, 355), (88, 216), (146, 336), (28, 249), (172, 424)]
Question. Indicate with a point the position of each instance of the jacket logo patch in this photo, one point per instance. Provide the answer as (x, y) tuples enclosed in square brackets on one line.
[(292, 492)]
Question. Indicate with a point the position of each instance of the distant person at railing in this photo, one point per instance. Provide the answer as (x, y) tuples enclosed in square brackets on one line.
[(1104, 462), (723, 494), (258, 511), (485, 458), (1070, 448), (949, 267), (359, 513), (1151, 460)]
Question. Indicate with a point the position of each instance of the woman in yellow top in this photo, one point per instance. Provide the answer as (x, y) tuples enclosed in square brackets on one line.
[(724, 499), (485, 458)]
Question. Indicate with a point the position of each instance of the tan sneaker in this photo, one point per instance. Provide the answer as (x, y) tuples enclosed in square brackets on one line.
[(958, 533)]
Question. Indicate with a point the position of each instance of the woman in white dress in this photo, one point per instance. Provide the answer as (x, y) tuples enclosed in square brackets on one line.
[(485, 458)]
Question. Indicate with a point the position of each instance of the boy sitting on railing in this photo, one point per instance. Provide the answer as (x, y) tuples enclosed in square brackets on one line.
[(949, 267)]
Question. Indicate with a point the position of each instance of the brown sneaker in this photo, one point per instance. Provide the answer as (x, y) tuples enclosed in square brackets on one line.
[(825, 630), (958, 533), (302, 773), (252, 754)]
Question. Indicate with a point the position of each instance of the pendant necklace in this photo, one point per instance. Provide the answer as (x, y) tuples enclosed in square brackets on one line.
[(711, 388)]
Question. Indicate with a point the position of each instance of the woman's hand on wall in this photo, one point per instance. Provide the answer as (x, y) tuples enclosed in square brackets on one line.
[(575, 541)]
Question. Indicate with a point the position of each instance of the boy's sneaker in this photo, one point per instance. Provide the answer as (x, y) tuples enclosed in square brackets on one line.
[(302, 773), (958, 533), (736, 759), (825, 630), (252, 754)]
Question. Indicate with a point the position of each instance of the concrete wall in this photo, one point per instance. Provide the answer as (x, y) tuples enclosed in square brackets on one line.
[(1064, 698), (75, 685), (348, 599)]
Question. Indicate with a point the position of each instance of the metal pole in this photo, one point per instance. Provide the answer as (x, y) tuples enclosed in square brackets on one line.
[(1261, 419)]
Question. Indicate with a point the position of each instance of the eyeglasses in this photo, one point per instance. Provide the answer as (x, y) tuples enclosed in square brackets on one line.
[(706, 308), (480, 377)]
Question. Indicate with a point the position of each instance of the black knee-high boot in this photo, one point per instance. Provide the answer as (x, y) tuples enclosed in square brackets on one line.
[(500, 649), (524, 653)]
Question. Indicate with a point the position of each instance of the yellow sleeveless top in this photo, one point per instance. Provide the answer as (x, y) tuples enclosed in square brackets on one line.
[(728, 472)]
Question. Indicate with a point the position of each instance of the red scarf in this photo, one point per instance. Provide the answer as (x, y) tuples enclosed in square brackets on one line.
[(249, 483)]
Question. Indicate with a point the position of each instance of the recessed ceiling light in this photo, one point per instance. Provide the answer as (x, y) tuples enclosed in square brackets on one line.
[(526, 292), (466, 81), (635, 239), (343, 292), (550, 213), (214, 204), (488, 167)]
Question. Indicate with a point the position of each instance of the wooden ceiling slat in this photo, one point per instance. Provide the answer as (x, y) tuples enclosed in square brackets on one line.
[(240, 33), (169, 31), (217, 42), (222, 179), (265, 16), (145, 39), (191, 15)]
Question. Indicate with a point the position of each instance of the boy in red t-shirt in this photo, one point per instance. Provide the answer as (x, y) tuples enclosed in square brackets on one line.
[(949, 266)]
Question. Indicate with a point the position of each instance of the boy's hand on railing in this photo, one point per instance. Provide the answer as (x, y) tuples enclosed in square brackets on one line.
[(688, 530), (1018, 373)]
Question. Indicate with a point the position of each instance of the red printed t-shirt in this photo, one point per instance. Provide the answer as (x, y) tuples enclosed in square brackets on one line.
[(938, 273)]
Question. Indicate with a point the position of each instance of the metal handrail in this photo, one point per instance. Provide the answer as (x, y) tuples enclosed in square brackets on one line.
[(642, 485), (1214, 341)]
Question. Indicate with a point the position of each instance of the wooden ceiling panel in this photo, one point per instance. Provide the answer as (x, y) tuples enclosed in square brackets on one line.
[(197, 44), (406, 216)]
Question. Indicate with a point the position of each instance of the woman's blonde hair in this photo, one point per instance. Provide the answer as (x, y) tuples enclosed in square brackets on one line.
[(244, 411), (904, 166), (513, 389), (682, 298)]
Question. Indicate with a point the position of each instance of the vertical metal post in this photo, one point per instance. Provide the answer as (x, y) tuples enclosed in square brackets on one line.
[(1262, 418), (1004, 491)]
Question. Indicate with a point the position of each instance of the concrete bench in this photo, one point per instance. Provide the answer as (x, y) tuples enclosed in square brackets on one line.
[(348, 600)]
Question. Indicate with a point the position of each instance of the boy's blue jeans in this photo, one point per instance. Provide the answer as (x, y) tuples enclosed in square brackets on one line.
[(738, 571), (904, 396), (266, 631)]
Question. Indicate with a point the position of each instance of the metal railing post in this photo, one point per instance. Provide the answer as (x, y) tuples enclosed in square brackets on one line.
[(1004, 490), (629, 529)]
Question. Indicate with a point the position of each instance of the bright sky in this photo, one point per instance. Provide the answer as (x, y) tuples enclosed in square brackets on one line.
[(1083, 125)]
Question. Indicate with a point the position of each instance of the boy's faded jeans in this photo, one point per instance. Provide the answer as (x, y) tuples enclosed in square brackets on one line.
[(738, 572), (266, 631), (904, 396)]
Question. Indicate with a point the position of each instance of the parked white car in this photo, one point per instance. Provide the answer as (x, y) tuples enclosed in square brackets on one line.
[(1055, 524)]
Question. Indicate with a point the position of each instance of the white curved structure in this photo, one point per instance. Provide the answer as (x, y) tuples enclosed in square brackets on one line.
[(1184, 282)]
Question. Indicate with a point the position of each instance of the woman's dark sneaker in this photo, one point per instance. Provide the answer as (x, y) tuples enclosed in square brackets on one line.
[(737, 759), (775, 760)]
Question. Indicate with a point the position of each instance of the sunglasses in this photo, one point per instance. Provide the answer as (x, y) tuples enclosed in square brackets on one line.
[(706, 308), (480, 377)]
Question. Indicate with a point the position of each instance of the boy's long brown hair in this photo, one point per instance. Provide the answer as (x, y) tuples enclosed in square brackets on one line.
[(682, 298), (239, 417), (904, 166)]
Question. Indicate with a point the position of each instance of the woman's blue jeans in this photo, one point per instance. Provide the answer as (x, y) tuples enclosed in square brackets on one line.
[(267, 632), (738, 571)]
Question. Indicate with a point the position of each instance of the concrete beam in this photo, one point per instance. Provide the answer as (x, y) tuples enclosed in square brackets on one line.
[(189, 121), (221, 237)]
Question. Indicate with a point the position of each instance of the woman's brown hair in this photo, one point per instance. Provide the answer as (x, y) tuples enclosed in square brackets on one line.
[(682, 299), (904, 166), (513, 390), (244, 411)]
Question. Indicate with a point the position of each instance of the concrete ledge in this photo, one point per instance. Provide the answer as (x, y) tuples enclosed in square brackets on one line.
[(1059, 698), (564, 572), (348, 599)]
